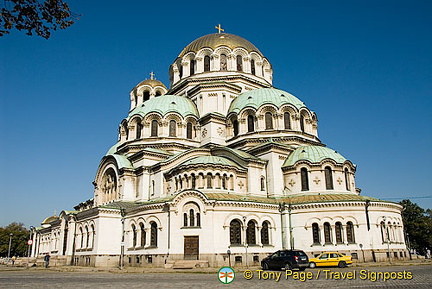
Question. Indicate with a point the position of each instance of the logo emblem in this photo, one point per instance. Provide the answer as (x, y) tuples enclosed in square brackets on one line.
[(226, 275)]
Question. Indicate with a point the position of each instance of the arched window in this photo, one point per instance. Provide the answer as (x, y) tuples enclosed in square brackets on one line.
[(134, 236), (262, 184), (87, 244), (287, 120), (192, 67), (209, 181), (191, 218), (193, 181), (139, 130), (235, 232), (126, 130), (224, 180), (180, 68), (239, 63), (198, 219), (93, 234), (328, 178), (189, 130), (302, 125), (185, 220), (223, 62), (146, 95), (250, 233), (158, 93), (383, 233), (251, 123), (265, 240), (172, 128), (304, 179), (82, 238), (143, 235), (253, 66), (338, 231), (350, 232), (268, 120), (206, 63), (154, 128), (315, 233), (327, 233), (347, 183), (153, 234), (236, 127)]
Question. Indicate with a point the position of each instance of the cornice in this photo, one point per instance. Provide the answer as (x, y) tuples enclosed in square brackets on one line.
[(239, 141)]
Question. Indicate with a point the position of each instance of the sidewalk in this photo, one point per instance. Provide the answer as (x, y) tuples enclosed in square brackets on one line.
[(209, 270)]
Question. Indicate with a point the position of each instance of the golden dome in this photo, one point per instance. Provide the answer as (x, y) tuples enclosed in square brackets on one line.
[(152, 83), (219, 39)]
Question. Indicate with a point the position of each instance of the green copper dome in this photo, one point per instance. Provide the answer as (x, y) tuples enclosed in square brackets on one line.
[(165, 104), (212, 160), (258, 97), (313, 154)]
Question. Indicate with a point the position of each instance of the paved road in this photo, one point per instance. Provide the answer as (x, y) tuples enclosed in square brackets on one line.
[(421, 278)]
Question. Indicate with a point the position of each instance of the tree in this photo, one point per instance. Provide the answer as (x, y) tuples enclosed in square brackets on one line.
[(20, 236), (418, 226), (35, 17)]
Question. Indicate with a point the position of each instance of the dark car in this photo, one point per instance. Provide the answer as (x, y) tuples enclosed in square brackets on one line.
[(286, 259)]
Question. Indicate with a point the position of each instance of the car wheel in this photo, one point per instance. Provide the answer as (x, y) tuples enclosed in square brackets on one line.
[(302, 268), (312, 265), (342, 264), (265, 266), (287, 266)]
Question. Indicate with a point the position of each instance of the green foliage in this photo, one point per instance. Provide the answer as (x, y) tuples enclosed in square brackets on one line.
[(20, 236), (35, 17), (418, 226)]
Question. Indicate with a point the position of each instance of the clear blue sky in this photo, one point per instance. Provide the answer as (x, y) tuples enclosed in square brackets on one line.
[(365, 68)]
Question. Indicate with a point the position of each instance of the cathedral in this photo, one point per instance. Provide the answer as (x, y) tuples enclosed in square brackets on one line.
[(219, 168)]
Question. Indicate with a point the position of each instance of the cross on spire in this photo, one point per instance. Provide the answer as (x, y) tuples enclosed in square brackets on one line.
[(219, 28), (152, 75)]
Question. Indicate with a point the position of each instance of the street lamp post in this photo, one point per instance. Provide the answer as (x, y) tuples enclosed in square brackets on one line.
[(388, 238), (246, 240), (74, 218), (10, 243), (409, 245), (29, 245), (122, 245)]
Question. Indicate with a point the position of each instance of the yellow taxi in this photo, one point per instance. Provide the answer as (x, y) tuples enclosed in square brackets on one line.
[(330, 259)]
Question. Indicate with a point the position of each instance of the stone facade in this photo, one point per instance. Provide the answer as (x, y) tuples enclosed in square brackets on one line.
[(221, 161)]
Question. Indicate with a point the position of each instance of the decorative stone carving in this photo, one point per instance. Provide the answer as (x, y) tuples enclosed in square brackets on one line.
[(220, 131), (292, 183), (241, 185), (204, 132)]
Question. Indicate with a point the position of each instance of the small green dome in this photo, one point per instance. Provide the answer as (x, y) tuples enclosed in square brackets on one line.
[(313, 154), (212, 160), (165, 104), (256, 98)]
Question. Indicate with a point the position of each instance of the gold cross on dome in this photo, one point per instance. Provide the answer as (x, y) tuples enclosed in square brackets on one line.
[(219, 28), (152, 75)]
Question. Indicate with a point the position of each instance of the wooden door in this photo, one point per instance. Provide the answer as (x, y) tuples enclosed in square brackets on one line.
[(191, 247)]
